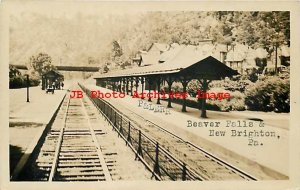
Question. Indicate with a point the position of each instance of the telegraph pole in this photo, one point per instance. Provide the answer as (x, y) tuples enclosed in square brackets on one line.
[(27, 77), (276, 46)]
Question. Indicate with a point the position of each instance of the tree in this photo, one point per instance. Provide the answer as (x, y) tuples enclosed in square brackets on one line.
[(41, 63), (17, 80), (117, 49), (257, 29), (105, 69), (117, 55)]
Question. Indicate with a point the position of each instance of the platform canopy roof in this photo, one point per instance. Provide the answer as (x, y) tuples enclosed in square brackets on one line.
[(188, 62)]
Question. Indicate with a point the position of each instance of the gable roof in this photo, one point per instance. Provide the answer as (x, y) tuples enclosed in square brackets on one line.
[(160, 46)]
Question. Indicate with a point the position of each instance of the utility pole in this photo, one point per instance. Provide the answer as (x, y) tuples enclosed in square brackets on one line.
[(276, 47), (276, 42), (27, 77)]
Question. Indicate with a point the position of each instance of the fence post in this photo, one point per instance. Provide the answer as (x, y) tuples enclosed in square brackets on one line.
[(128, 137), (111, 114), (112, 118), (107, 113), (104, 110), (121, 128), (184, 172), (115, 122), (156, 168), (139, 150)]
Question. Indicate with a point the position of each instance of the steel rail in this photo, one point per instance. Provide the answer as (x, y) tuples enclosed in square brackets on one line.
[(58, 146)]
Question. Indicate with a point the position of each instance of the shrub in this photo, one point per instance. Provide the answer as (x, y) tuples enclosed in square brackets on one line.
[(236, 102), (193, 87), (176, 87), (231, 85), (16, 82), (227, 84), (270, 94), (21, 82)]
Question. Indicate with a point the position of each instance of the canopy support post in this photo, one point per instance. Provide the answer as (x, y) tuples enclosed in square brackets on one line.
[(131, 86), (136, 85), (204, 88), (143, 86), (150, 81), (127, 86), (158, 81), (184, 83), (170, 82)]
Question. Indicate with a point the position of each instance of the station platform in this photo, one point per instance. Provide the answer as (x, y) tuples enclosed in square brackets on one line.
[(27, 120), (233, 149)]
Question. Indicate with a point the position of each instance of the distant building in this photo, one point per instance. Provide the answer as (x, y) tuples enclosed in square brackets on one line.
[(284, 55), (220, 52), (283, 59), (137, 60), (239, 57), (151, 57)]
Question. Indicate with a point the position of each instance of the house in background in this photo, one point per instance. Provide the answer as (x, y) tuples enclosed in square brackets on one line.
[(137, 60), (153, 54), (240, 57), (220, 52), (284, 55), (243, 58)]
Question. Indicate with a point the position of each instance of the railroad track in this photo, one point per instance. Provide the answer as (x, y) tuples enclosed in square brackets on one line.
[(160, 162), (71, 150), (207, 165), (204, 163)]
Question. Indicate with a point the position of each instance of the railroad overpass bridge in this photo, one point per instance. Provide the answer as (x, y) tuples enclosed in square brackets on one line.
[(70, 72), (66, 68)]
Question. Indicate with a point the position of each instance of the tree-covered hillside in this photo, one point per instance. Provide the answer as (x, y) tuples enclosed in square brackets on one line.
[(94, 39)]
